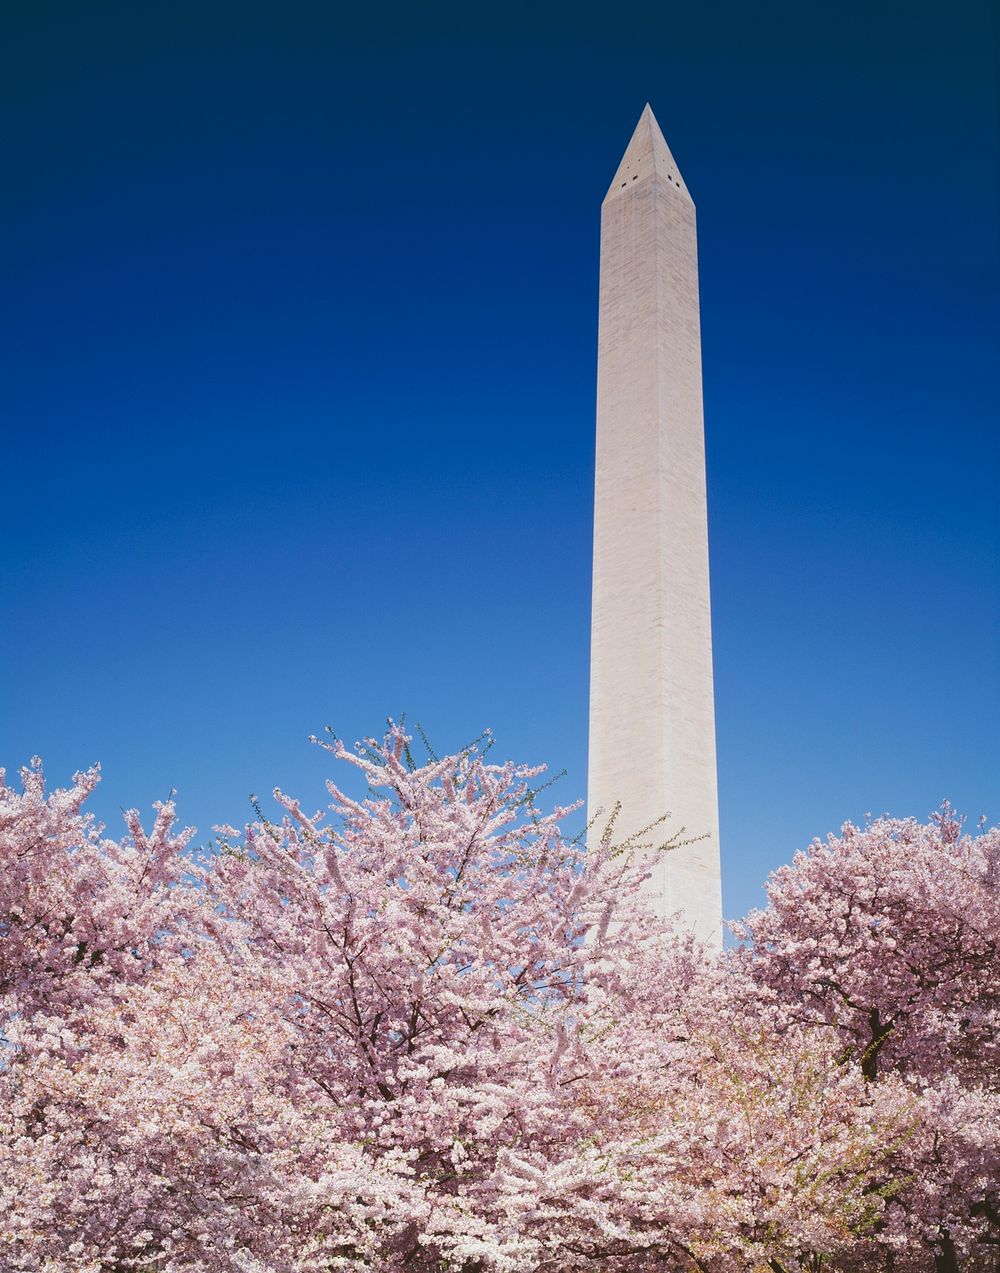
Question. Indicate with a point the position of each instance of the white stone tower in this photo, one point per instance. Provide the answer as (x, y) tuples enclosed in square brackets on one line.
[(652, 710)]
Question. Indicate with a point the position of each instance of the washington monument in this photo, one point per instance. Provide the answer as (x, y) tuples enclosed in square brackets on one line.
[(652, 710)]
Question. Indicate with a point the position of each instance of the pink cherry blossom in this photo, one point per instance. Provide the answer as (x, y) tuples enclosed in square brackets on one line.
[(887, 939), (427, 1031)]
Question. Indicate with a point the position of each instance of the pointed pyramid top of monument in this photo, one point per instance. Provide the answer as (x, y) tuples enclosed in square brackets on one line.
[(647, 153)]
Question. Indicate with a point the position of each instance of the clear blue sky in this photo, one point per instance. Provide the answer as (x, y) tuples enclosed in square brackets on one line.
[(298, 390)]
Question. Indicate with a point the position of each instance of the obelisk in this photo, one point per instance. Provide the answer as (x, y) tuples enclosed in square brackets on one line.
[(652, 708)]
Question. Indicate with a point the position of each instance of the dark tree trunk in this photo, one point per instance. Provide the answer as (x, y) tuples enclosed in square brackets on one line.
[(880, 1032), (945, 1257)]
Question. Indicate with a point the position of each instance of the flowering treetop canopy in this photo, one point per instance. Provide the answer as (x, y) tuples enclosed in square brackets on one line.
[(432, 1032)]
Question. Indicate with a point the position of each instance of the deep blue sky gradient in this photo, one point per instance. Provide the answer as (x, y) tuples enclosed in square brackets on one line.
[(298, 390)]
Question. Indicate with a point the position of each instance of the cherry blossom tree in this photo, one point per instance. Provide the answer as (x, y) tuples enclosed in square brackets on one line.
[(85, 922), (81, 916), (887, 939)]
